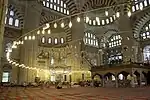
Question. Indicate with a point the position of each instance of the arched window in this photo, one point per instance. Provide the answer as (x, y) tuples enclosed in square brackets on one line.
[(62, 40), (49, 40), (139, 4), (120, 76), (57, 5), (146, 54), (114, 41), (43, 40), (11, 18), (56, 41), (16, 22), (11, 13), (114, 55), (90, 39), (145, 33), (10, 21)]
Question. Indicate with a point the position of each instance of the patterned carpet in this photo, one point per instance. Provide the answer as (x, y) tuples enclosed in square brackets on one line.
[(75, 94)]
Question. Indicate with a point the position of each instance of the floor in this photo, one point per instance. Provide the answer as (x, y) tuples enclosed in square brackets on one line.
[(79, 93)]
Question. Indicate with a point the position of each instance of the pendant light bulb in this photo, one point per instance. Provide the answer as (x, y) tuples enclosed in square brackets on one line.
[(106, 13), (43, 32), (62, 25), (70, 24), (33, 37), (78, 19), (19, 42), (97, 19), (22, 42), (55, 25), (117, 14), (38, 32), (49, 31), (29, 37), (25, 38)]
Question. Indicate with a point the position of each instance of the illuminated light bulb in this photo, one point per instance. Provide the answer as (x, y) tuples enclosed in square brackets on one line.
[(103, 22), (129, 14), (111, 19), (29, 37), (19, 42), (34, 68), (114, 16), (22, 42), (33, 37), (14, 42), (146, 28), (107, 21), (62, 25), (78, 19), (8, 59), (49, 31), (27, 67), (70, 24), (94, 22), (98, 23), (55, 25), (25, 38), (30, 68), (43, 32), (16, 64), (106, 13), (20, 65), (46, 26), (97, 19), (117, 14), (38, 32), (14, 46), (87, 19)]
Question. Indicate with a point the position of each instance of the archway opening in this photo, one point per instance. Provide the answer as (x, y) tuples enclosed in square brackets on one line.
[(97, 80), (146, 54), (124, 79)]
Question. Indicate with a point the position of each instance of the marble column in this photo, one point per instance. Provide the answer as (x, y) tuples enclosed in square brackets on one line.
[(3, 7)]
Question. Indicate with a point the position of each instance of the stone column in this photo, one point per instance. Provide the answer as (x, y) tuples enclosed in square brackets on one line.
[(3, 7), (32, 19), (116, 80), (103, 80)]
